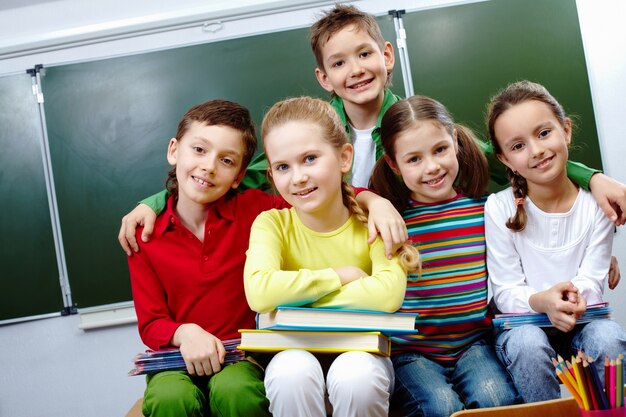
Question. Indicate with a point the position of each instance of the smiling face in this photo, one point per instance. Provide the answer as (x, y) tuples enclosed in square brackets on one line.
[(533, 142), (208, 160), (425, 157), (355, 67), (306, 169)]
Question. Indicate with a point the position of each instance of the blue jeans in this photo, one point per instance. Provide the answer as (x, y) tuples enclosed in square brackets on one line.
[(526, 351), (430, 389)]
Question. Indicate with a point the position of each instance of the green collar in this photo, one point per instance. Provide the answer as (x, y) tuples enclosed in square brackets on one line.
[(388, 100)]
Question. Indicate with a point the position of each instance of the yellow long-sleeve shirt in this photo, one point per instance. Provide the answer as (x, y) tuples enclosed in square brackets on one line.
[(290, 264)]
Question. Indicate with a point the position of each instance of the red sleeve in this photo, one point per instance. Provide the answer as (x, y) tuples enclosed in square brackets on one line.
[(266, 201), (156, 327), (358, 190)]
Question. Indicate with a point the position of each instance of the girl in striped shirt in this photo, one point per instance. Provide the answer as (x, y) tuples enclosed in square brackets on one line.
[(449, 364)]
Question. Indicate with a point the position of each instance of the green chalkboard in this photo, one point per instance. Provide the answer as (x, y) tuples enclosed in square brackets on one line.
[(109, 123), (29, 284), (462, 55)]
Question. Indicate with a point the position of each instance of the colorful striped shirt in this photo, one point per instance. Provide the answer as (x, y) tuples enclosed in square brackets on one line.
[(451, 294)]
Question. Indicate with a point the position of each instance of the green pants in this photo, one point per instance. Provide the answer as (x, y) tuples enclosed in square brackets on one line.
[(237, 390)]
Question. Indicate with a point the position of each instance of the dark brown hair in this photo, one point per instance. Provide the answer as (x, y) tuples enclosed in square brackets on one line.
[(473, 176), (322, 114), (339, 17), (517, 93), (214, 113)]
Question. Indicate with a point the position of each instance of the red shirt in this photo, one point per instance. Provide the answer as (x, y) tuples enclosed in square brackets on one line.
[(177, 279)]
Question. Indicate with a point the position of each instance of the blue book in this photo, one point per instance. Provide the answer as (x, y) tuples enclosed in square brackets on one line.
[(153, 361), (509, 321), (327, 319)]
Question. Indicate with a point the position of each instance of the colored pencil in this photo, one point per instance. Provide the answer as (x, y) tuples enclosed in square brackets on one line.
[(612, 383), (567, 374), (596, 380), (586, 386), (593, 393), (607, 375), (570, 367), (565, 365), (560, 374), (619, 385), (582, 386)]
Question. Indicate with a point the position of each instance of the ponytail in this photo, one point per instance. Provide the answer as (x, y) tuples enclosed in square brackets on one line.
[(473, 176), (517, 223), (389, 185)]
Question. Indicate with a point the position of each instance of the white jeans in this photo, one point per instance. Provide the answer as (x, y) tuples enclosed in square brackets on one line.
[(359, 384)]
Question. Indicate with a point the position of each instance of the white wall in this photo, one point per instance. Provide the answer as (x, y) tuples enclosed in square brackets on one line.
[(604, 40), (49, 368)]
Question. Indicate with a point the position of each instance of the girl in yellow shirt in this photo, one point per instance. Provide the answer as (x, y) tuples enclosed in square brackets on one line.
[(317, 254)]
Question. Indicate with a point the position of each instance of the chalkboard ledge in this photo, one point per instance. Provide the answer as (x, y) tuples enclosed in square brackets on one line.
[(107, 315)]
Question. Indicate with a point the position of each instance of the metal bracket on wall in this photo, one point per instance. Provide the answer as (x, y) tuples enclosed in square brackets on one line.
[(403, 53), (68, 309)]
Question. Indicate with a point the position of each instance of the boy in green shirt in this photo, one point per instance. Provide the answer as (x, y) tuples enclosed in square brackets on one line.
[(354, 63)]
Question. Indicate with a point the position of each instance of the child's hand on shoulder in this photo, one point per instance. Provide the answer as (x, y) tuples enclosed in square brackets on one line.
[(142, 215), (385, 220), (203, 353), (348, 274), (610, 196)]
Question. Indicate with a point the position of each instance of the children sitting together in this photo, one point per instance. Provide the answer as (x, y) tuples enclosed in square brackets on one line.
[(382, 205)]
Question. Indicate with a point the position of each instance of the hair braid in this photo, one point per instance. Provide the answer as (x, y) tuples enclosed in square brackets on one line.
[(517, 223), (349, 200), (407, 253)]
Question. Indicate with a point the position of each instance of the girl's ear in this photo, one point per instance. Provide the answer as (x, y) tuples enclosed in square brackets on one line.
[(568, 130), (392, 164), (504, 160), (345, 157), (455, 140), (172, 151), (322, 78)]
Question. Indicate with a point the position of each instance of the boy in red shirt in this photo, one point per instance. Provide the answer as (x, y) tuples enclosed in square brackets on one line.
[(187, 281)]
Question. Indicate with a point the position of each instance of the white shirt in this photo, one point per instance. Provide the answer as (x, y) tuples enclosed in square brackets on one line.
[(364, 156), (554, 247)]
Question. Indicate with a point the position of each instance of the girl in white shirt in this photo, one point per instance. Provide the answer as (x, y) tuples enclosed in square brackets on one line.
[(548, 243)]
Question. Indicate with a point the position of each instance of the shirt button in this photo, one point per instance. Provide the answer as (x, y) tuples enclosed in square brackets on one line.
[(205, 258)]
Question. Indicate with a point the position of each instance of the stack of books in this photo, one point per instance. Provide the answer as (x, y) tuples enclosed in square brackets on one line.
[(323, 330), (153, 361), (511, 320)]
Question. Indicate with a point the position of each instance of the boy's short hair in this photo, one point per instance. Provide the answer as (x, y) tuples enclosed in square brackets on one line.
[(217, 113), (224, 113), (339, 17)]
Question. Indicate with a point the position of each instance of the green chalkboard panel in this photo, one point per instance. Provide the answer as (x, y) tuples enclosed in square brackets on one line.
[(109, 123), (462, 55), (29, 283)]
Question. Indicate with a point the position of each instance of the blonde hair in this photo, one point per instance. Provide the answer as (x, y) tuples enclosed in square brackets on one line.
[(321, 113)]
